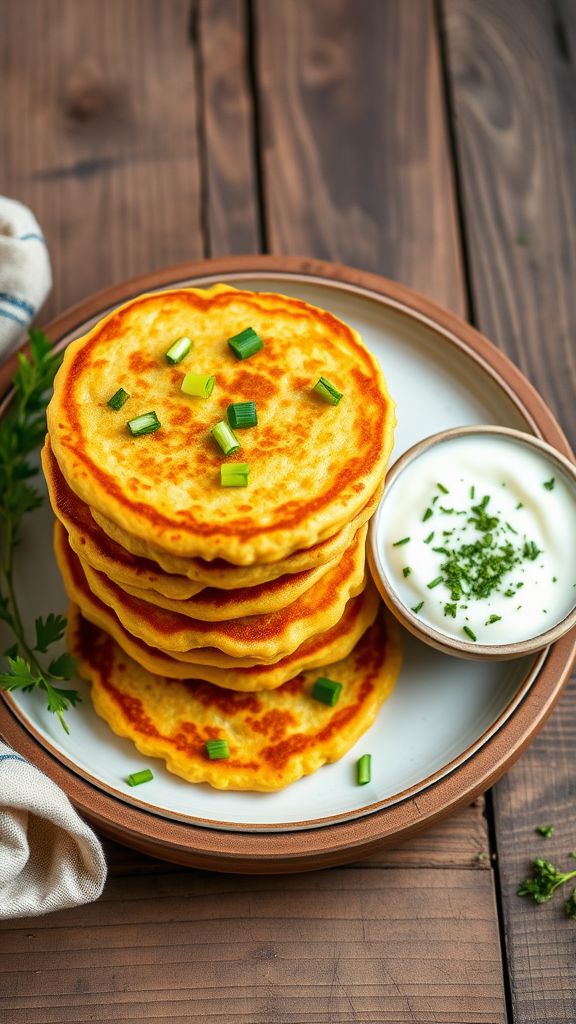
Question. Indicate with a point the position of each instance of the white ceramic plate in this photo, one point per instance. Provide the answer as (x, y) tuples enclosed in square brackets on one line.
[(442, 710)]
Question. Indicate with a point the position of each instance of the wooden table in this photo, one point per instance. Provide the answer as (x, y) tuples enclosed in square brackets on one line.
[(431, 142)]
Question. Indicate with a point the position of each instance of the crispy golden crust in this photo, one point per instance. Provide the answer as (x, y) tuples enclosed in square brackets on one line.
[(265, 637), (181, 578), (313, 466), (334, 644), (274, 739)]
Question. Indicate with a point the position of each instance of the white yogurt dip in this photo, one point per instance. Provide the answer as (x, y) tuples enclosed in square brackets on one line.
[(477, 537)]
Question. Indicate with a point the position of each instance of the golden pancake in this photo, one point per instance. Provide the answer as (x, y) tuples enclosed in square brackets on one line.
[(233, 673), (178, 578), (221, 574), (313, 465), (262, 637), (334, 644), (273, 738)]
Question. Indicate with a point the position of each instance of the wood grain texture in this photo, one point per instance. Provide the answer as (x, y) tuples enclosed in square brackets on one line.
[(514, 93), (513, 75), (311, 948), (226, 114), (355, 157), (93, 135)]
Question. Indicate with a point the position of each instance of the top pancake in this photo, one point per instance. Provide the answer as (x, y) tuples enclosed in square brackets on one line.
[(313, 466)]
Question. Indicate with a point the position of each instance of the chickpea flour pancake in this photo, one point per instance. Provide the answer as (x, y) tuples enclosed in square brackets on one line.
[(313, 465), (334, 644), (273, 738), (179, 578), (263, 637)]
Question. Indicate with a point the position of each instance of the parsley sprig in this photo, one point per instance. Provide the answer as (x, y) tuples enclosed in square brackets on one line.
[(22, 431)]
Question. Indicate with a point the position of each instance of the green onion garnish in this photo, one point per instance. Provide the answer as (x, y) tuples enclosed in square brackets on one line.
[(549, 484), (246, 343), (427, 515), (217, 750), (223, 436), (137, 778), (429, 537), (234, 474), (327, 391), (147, 423), (199, 385), (399, 543), (492, 619), (406, 571), (242, 414), (178, 350), (363, 769), (442, 488), (326, 691), (434, 583), (118, 399), (417, 607), (469, 633)]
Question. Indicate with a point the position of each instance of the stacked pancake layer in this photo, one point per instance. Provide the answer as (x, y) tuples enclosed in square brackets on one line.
[(248, 589)]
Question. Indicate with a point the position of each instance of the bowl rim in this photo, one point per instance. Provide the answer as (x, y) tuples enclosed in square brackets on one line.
[(428, 634)]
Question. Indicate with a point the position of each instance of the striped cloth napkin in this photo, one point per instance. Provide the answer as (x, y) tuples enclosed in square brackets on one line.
[(25, 276), (49, 858)]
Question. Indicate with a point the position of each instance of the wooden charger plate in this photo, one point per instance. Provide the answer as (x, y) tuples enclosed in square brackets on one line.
[(443, 373)]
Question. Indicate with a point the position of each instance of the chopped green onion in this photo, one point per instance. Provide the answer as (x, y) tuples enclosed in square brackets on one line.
[(147, 423), (417, 607), (363, 769), (399, 543), (242, 414), (427, 515), (434, 583), (327, 391), (224, 437), (406, 571), (429, 537), (549, 484), (199, 385), (246, 343), (217, 750), (326, 691), (178, 350), (442, 488), (118, 399), (137, 778), (492, 619), (234, 474), (469, 633)]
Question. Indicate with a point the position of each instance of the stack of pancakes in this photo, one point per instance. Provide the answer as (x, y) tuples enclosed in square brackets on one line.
[(201, 611)]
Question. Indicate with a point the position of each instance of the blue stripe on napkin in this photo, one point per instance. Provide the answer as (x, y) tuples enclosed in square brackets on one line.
[(13, 300), (12, 316), (12, 757)]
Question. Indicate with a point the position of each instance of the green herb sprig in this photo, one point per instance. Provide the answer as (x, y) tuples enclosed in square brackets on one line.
[(22, 431), (546, 878)]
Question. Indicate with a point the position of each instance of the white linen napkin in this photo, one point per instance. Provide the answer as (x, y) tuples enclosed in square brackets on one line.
[(25, 276), (49, 858)]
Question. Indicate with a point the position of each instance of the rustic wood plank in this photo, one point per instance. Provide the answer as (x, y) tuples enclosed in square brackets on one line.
[(355, 158), (304, 948), (513, 77), (515, 103), (227, 125), (94, 139)]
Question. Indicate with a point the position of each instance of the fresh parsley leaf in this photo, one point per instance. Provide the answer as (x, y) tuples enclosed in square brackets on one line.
[(22, 430), (546, 878), (62, 667), (48, 631), (19, 675)]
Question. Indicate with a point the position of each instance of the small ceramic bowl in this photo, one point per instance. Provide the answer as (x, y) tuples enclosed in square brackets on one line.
[(391, 521)]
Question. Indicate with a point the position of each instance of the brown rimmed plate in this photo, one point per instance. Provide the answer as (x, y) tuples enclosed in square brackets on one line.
[(449, 731)]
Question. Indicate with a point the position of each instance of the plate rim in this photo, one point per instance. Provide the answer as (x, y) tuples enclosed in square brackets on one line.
[(547, 685)]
